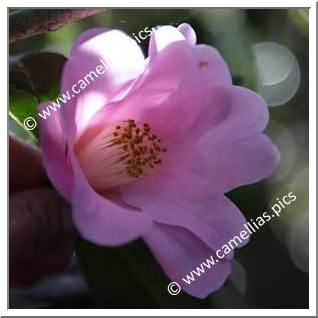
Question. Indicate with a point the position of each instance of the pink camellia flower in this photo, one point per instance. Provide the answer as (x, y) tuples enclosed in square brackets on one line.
[(149, 149)]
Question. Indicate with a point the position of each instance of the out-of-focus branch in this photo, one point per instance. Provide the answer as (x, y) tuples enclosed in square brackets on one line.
[(28, 22)]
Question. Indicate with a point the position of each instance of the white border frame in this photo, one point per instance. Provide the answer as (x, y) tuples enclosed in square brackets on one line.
[(5, 4)]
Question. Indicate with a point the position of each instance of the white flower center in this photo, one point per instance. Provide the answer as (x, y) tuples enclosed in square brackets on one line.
[(120, 154)]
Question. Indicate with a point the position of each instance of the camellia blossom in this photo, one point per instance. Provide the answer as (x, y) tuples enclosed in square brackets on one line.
[(149, 149)]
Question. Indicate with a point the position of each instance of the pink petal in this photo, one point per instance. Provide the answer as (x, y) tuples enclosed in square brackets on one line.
[(186, 200), (188, 33), (194, 111), (219, 212), (179, 66), (54, 153), (162, 37), (235, 161), (225, 111), (179, 252), (124, 61), (207, 64), (207, 67), (243, 113), (164, 73), (103, 221), (170, 211), (86, 36)]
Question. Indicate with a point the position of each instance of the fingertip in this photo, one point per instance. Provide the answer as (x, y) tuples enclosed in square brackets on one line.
[(25, 167)]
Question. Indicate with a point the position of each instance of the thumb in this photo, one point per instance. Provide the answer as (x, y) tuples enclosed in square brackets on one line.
[(40, 225)]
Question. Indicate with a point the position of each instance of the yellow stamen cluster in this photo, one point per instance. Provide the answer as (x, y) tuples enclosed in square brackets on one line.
[(139, 148)]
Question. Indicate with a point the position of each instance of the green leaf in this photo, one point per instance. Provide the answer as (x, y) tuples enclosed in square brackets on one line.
[(21, 106), (34, 78), (129, 277), (18, 130)]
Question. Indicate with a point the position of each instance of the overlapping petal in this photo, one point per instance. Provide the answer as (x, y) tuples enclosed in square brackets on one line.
[(101, 220), (54, 153), (124, 62), (236, 161), (179, 252)]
